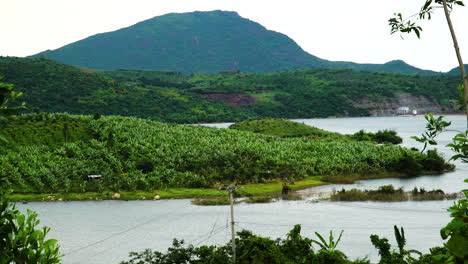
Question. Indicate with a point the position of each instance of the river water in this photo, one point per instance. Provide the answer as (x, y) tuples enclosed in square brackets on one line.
[(105, 231)]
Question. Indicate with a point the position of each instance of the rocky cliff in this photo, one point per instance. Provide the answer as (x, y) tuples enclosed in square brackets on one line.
[(389, 106)]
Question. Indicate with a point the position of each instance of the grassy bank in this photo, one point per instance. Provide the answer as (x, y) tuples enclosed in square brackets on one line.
[(250, 190)]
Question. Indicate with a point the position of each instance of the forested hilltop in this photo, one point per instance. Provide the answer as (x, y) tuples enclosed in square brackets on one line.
[(50, 86), (202, 42)]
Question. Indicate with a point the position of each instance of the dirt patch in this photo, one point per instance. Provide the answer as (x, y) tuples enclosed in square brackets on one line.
[(236, 100)]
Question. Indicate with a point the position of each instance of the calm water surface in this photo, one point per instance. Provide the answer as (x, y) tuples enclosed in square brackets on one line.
[(105, 231)]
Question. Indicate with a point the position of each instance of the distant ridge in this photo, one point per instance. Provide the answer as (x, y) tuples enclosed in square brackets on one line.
[(456, 70), (202, 42)]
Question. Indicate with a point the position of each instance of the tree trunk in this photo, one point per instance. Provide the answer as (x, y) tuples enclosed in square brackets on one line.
[(459, 57)]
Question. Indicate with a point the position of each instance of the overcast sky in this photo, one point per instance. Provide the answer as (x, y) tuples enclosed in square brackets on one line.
[(334, 30)]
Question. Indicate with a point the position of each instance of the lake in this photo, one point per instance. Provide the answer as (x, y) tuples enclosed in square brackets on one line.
[(106, 231)]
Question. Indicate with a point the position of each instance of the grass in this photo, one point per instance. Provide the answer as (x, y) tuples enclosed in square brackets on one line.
[(171, 193), (276, 188), (211, 201), (260, 199), (388, 193)]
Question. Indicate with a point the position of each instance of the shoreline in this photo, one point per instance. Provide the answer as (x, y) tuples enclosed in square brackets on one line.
[(247, 190), (336, 117)]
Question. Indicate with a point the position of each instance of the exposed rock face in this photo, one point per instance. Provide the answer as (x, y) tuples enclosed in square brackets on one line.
[(385, 107)]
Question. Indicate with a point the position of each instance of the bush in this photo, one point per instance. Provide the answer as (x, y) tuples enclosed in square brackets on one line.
[(434, 162), (382, 136), (20, 241), (144, 166), (408, 165), (387, 136)]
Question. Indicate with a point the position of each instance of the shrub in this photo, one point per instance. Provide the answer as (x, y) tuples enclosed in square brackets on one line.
[(433, 161), (21, 241), (387, 136), (382, 136), (144, 166), (408, 165)]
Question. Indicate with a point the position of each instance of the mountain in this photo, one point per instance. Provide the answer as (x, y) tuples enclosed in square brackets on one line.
[(50, 86), (202, 42), (456, 70)]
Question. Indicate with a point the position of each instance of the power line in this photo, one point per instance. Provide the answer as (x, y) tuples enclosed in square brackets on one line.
[(222, 228), (126, 241), (119, 233)]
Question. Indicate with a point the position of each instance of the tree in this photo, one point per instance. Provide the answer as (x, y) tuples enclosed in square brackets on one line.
[(456, 231), (7, 97), (398, 24), (20, 241)]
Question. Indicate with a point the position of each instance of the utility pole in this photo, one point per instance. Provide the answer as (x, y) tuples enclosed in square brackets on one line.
[(231, 190)]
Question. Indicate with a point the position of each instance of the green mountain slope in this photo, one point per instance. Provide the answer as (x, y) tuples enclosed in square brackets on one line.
[(201, 42), (174, 97), (456, 70), (54, 87)]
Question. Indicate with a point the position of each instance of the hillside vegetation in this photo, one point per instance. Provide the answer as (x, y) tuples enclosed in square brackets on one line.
[(284, 128), (56, 153), (202, 42), (50, 86)]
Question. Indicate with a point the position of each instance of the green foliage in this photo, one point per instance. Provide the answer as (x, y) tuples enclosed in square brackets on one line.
[(389, 193), (283, 128), (7, 97), (182, 156), (294, 249), (211, 201), (456, 231), (434, 127), (434, 162), (174, 97), (331, 244), (459, 145), (388, 256), (53, 87), (387, 136), (21, 241), (260, 199), (382, 136), (409, 165), (398, 24)]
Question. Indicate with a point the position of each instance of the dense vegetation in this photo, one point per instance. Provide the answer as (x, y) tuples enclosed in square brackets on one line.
[(56, 153), (305, 92), (21, 240), (54, 87), (174, 97), (381, 136), (287, 128), (297, 249), (389, 193), (283, 128), (202, 42)]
